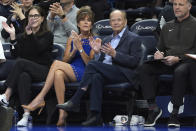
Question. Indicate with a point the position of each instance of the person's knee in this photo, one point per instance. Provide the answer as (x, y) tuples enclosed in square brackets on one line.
[(24, 75), (55, 63), (181, 70), (59, 74), (91, 65), (98, 76), (20, 62)]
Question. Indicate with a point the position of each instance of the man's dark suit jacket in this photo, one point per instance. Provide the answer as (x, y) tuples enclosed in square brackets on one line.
[(128, 53)]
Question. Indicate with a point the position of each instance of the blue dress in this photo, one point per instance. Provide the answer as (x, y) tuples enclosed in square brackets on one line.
[(77, 63)]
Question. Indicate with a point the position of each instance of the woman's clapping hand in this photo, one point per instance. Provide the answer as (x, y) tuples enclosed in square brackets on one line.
[(95, 44)]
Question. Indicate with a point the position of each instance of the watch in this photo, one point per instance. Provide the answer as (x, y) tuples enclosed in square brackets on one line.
[(81, 50), (63, 16)]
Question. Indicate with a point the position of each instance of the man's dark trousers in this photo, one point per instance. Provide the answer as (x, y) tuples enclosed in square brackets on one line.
[(96, 75)]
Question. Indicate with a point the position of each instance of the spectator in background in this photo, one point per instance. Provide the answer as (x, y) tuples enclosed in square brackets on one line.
[(77, 54), (33, 50), (62, 20), (5, 8), (45, 4), (18, 17), (100, 7), (166, 15)]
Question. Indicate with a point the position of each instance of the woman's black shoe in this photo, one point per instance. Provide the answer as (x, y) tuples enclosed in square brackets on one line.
[(69, 106)]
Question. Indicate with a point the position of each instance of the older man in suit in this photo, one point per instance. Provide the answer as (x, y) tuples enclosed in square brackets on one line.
[(119, 54)]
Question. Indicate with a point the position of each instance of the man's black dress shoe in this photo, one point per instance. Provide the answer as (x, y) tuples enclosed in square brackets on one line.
[(94, 120), (69, 106)]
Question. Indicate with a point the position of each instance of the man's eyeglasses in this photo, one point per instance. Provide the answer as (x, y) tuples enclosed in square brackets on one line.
[(34, 16)]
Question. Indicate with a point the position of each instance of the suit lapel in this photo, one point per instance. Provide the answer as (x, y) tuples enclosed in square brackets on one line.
[(103, 54), (123, 37)]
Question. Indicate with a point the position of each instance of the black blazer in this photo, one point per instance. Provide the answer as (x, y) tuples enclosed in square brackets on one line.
[(128, 53)]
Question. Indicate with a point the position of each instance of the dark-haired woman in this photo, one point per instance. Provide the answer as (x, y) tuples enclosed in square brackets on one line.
[(77, 54), (33, 50)]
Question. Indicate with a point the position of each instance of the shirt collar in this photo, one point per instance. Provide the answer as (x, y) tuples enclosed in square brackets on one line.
[(121, 33), (176, 20)]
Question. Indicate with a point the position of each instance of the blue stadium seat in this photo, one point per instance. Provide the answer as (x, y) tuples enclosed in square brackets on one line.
[(7, 53), (145, 29), (102, 28)]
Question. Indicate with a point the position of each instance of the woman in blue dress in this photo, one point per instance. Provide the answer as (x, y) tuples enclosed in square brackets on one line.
[(77, 54)]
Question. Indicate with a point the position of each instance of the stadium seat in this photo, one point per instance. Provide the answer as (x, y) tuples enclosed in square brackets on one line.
[(145, 29), (102, 28)]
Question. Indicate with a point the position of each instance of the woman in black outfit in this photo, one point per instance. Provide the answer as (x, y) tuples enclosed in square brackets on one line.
[(33, 50)]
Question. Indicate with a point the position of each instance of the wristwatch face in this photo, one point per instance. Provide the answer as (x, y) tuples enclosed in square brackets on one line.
[(63, 16)]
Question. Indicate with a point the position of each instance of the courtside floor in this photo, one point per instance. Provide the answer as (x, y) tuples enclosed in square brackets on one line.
[(104, 128)]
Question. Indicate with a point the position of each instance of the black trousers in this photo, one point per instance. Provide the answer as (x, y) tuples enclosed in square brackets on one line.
[(149, 75), (22, 75), (96, 75)]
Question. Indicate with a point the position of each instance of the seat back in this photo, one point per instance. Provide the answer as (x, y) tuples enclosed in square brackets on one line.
[(102, 28), (58, 52), (145, 30), (7, 52)]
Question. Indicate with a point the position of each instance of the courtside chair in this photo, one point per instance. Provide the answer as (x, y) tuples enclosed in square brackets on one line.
[(102, 28), (145, 29)]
